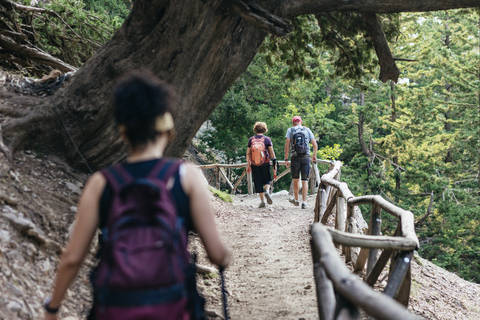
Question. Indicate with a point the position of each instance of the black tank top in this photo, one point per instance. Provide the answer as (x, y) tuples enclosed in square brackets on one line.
[(141, 170)]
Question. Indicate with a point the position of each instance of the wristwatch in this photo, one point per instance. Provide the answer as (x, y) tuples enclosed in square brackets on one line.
[(47, 307), (286, 159)]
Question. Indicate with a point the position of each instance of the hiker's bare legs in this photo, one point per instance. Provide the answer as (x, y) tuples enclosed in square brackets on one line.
[(266, 187), (262, 196), (295, 188), (304, 190)]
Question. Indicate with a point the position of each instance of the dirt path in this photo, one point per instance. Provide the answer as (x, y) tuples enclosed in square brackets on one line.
[(271, 276)]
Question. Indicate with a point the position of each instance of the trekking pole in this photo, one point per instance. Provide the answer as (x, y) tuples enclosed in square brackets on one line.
[(224, 294)]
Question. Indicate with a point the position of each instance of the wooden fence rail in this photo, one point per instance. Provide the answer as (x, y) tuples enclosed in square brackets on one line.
[(220, 173), (340, 293), (335, 284)]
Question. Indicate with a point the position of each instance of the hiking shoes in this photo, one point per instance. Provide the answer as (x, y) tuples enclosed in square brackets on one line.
[(269, 199), (262, 205), (294, 202), (304, 206)]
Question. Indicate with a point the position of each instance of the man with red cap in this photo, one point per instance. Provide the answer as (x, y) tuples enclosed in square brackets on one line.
[(298, 142)]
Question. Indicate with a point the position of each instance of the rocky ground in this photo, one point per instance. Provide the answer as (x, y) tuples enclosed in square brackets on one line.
[(270, 278)]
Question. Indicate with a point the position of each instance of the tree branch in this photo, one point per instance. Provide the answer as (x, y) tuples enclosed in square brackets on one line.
[(386, 159), (300, 7), (388, 68), (35, 54), (264, 19), (365, 150), (429, 209)]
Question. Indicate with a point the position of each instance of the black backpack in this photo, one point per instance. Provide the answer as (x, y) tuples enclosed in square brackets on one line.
[(300, 141)]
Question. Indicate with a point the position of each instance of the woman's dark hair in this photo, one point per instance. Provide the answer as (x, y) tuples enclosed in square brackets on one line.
[(138, 100)]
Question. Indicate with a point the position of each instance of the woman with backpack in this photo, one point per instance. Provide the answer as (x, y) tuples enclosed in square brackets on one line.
[(145, 208), (259, 152)]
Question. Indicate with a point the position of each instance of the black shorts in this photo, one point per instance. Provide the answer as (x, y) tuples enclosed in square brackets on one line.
[(300, 164), (261, 176)]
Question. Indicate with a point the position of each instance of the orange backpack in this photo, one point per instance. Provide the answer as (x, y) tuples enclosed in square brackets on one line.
[(258, 151)]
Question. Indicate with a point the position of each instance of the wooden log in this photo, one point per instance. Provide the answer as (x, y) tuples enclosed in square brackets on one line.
[(346, 249), (359, 293), (362, 258), (403, 295), (342, 186), (238, 181), (212, 177), (318, 204), (283, 173), (341, 214), (324, 288), (226, 179), (221, 165), (332, 193), (250, 182), (339, 174), (371, 242), (324, 161), (407, 223), (378, 200), (217, 178), (372, 277), (375, 230), (330, 206), (354, 250), (323, 203), (312, 178), (208, 166), (317, 173), (407, 218), (398, 270)]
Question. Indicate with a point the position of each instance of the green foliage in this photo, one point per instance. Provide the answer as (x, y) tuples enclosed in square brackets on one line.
[(427, 141), (294, 49), (340, 37), (221, 195), (120, 8), (329, 153), (69, 31)]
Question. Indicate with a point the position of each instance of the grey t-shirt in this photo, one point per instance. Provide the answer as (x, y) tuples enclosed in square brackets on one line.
[(290, 132)]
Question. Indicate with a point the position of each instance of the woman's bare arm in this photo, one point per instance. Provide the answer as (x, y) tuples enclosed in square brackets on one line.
[(79, 243), (194, 186)]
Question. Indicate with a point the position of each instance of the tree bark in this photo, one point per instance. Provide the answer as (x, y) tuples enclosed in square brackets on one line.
[(388, 68), (199, 47)]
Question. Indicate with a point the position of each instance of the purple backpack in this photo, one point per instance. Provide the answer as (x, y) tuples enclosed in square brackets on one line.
[(144, 258)]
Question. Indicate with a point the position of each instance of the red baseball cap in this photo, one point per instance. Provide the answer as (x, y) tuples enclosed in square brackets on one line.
[(296, 119)]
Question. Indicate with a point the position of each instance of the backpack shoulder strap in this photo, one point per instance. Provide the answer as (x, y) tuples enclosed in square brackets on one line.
[(117, 176), (164, 169)]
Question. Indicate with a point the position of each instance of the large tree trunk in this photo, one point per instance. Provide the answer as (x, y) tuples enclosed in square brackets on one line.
[(199, 47)]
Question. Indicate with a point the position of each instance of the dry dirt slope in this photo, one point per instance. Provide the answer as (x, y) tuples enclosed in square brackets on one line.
[(271, 277)]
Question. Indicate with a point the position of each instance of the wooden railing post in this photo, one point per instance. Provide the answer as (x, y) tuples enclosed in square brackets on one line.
[(399, 278), (375, 230), (217, 178), (341, 214), (250, 183), (238, 181), (325, 293), (319, 204), (312, 178)]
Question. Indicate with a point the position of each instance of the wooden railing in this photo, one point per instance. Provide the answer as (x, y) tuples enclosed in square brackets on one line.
[(219, 173), (339, 292)]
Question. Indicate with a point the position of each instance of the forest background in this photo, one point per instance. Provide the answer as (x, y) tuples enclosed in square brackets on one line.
[(415, 142)]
